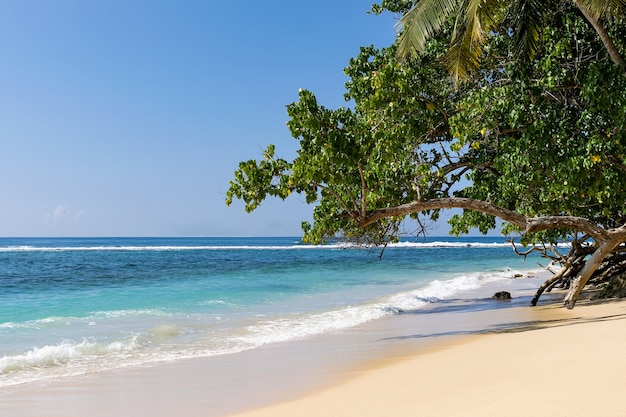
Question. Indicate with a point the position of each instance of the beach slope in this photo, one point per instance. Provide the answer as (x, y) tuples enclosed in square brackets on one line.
[(561, 363)]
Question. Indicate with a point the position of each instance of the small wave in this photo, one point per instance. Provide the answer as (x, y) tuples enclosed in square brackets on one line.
[(436, 244), (36, 324), (165, 332), (299, 326), (450, 245), (61, 354), (159, 248), (89, 319), (284, 329), (442, 289), (127, 313)]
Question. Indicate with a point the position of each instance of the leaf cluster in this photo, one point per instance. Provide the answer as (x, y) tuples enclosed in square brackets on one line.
[(552, 130)]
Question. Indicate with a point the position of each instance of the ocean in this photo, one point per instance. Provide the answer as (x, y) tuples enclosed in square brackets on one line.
[(75, 306)]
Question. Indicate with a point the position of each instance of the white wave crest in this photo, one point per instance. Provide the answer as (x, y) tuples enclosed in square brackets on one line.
[(299, 326), (284, 329), (61, 354), (445, 289), (164, 248)]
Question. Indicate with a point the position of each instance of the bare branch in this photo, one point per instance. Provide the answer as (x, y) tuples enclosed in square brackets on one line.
[(590, 266), (443, 203), (350, 213), (529, 225), (529, 251), (566, 222), (363, 191)]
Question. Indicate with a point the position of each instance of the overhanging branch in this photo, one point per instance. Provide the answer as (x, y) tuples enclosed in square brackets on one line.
[(566, 222), (529, 225), (443, 203)]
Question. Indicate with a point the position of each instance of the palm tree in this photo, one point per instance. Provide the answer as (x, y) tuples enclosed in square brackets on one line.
[(476, 18)]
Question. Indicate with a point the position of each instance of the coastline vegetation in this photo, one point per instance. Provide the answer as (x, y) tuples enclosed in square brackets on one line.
[(500, 109)]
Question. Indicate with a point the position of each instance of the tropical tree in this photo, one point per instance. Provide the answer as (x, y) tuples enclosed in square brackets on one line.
[(474, 21), (539, 144)]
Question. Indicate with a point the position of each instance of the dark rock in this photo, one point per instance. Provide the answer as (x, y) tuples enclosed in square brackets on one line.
[(502, 296)]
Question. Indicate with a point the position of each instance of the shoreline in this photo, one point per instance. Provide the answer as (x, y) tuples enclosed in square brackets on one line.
[(211, 300), (562, 362), (276, 374)]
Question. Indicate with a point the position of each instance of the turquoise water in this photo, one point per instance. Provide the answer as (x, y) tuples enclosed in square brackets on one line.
[(74, 306)]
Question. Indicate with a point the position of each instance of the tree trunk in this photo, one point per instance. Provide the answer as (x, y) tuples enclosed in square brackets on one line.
[(578, 283), (549, 282), (604, 36)]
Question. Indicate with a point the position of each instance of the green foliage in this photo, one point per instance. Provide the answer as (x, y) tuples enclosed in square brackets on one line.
[(555, 136), (476, 20), (540, 137), (394, 6), (261, 178)]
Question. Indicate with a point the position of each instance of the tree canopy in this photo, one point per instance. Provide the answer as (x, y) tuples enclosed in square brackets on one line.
[(539, 143), (475, 19)]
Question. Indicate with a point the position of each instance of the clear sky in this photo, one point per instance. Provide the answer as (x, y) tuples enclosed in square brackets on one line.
[(129, 117)]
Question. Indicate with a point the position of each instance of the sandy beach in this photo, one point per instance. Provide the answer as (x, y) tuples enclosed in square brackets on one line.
[(561, 363)]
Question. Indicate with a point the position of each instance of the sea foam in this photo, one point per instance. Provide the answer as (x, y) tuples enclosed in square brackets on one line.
[(303, 325), (61, 354), (164, 248)]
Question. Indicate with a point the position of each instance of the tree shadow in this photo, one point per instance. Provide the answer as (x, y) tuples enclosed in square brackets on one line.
[(520, 327), (505, 327), (465, 305)]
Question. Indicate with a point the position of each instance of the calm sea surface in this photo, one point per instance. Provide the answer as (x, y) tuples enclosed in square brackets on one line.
[(72, 306)]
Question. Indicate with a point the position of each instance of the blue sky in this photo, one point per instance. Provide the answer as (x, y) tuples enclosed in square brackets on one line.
[(128, 118)]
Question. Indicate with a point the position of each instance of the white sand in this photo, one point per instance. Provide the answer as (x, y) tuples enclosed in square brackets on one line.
[(562, 363)]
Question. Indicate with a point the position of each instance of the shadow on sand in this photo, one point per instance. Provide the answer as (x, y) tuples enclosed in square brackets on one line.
[(478, 305)]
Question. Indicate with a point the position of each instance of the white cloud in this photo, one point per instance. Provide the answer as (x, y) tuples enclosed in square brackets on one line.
[(62, 214)]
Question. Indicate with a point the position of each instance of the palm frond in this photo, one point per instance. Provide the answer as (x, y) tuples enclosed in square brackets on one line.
[(473, 24), (460, 59), (483, 16), (463, 55), (420, 23), (603, 8), (529, 18)]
